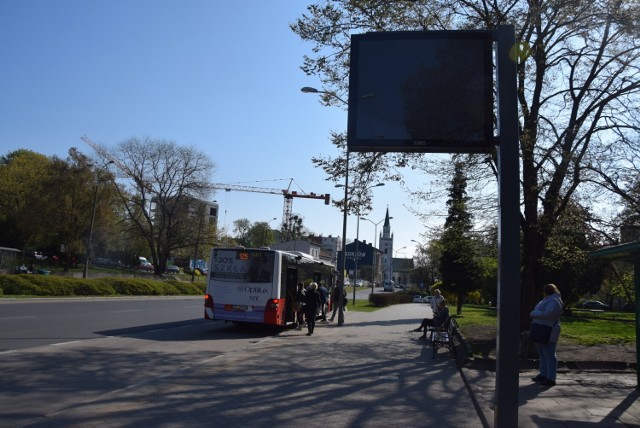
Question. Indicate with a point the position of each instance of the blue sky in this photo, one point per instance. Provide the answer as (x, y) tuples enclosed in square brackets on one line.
[(223, 76)]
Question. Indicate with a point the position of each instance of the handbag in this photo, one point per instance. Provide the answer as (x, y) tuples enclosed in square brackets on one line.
[(540, 333)]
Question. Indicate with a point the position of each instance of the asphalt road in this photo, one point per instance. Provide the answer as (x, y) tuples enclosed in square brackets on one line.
[(55, 353)]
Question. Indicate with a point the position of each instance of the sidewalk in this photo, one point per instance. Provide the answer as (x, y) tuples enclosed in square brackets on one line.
[(371, 372), (580, 399)]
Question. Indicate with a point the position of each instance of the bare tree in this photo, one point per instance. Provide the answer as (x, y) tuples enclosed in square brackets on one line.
[(162, 183)]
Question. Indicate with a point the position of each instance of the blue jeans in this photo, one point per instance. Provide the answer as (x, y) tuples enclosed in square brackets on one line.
[(548, 359)]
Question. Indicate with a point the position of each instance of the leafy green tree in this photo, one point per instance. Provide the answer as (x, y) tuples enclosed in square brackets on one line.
[(241, 228), (294, 229), (487, 249), (577, 93), (253, 235), (427, 263), (74, 185), (458, 265), (22, 178), (628, 220), (260, 234), (622, 281), (566, 261)]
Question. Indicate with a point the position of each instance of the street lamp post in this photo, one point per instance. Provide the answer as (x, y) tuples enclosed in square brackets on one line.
[(375, 246), (310, 90), (344, 244), (357, 255), (391, 264), (340, 302), (375, 230), (85, 271), (396, 251)]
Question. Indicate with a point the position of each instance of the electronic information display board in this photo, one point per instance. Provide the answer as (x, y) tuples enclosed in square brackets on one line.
[(421, 91)]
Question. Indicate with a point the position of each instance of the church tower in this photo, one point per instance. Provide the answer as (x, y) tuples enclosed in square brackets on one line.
[(386, 247)]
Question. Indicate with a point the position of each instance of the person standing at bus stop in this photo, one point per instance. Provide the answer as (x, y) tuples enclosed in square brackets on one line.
[(312, 303), (299, 305), (547, 313), (324, 298), (335, 299)]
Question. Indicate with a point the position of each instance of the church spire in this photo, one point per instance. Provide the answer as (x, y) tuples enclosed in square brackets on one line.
[(386, 228)]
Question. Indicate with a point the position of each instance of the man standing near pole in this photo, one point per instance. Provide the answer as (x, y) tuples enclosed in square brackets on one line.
[(338, 300), (324, 298)]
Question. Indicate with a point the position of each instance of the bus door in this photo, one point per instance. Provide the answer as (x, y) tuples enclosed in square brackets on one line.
[(292, 289)]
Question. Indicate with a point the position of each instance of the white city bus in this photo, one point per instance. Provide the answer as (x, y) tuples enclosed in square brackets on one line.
[(256, 285)]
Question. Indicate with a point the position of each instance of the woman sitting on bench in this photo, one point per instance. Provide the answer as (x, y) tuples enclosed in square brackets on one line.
[(437, 321)]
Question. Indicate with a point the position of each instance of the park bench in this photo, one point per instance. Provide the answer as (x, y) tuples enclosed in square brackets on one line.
[(443, 337)]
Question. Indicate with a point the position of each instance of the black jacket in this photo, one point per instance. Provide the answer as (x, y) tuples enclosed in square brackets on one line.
[(440, 318), (312, 301)]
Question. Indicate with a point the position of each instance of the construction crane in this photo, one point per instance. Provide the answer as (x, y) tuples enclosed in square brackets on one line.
[(105, 155), (287, 193)]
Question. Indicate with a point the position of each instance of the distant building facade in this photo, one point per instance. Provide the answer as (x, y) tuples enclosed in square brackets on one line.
[(369, 261), (300, 245)]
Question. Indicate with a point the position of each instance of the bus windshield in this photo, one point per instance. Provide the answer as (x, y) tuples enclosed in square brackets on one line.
[(252, 266)]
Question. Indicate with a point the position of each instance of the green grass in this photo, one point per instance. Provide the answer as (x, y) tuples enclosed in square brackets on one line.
[(475, 315), (361, 305), (57, 286), (583, 328)]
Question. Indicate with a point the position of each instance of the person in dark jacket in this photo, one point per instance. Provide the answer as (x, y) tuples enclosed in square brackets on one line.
[(335, 299), (299, 305), (324, 298), (311, 304), (437, 321)]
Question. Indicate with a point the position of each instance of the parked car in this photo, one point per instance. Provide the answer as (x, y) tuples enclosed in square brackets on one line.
[(427, 299), (417, 299), (595, 304), (148, 267), (105, 262), (172, 269), (199, 270), (36, 255)]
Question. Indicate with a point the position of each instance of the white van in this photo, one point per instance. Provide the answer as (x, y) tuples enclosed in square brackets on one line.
[(387, 285)]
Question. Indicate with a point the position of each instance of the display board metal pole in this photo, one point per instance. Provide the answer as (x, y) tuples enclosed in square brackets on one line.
[(508, 340)]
